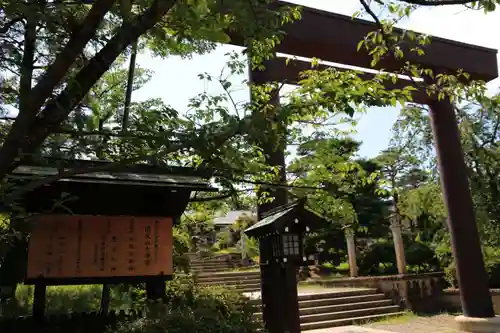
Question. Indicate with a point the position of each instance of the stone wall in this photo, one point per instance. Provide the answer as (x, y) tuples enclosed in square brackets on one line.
[(415, 292), (451, 300)]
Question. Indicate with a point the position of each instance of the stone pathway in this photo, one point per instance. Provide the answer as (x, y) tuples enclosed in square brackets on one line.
[(432, 324), (443, 323), (348, 329)]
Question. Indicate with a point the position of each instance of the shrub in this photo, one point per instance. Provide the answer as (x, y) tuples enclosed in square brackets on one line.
[(181, 245), (329, 269), (182, 241), (378, 258), (450, 275), (492, 263), (251, 247), (74, 299), (191, 308), (327, 244), (491, 256), (59, 300), (421, 257), (223, 240)]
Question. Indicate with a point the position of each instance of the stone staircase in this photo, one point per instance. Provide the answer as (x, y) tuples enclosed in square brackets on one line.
[(219, 271), (244, 281), (210, 266), (342, 308)]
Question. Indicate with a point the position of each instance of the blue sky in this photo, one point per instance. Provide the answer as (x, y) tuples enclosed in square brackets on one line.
[(175, 80)]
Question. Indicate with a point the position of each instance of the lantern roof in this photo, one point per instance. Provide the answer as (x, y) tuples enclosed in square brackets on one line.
[(292, 216)]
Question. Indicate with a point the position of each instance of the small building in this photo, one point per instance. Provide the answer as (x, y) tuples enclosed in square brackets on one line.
[(224, 222)]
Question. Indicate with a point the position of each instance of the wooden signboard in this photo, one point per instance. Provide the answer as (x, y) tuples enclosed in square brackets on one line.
[(73, 249)]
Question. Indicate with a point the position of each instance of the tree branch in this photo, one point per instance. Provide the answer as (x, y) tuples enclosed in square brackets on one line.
[(27, 135), (227, 195), (72, 50), (438, 2), (5, 28), (225, 134)]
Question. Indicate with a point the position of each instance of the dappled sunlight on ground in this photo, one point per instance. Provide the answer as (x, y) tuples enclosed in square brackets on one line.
[(442, 323)]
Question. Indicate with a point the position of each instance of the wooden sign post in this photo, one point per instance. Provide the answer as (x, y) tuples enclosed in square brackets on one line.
[(119, 229)]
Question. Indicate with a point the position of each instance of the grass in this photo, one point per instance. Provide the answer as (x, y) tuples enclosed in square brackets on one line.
[(401, 319), (60, 299), (68, 299)]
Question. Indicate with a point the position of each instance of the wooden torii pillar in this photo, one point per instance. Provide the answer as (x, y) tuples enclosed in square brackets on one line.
[(442, 56)]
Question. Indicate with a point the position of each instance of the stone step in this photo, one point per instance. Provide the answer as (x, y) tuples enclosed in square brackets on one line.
[(230, 275), (234, 283), (337, 294), (204, 263), (347, 321), (348, 314), (211, 267), (340, 308), (348, 307), (336, 300), (234, 268), (344, 307), (340, 300), (208, 262), (212, 270), (248, 289), (240, 286), (229, 282), (226, 277), (246, 286)]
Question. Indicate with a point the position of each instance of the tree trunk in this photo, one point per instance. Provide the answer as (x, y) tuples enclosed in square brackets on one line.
[(130, 85), (26, 78)]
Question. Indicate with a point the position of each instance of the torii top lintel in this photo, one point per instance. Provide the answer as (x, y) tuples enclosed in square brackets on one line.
[(334, 37)]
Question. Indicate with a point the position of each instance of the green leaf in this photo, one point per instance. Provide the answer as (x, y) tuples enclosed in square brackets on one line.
[(360, 44)]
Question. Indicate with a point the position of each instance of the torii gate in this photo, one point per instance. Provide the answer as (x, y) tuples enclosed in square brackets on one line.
[(334, 38)]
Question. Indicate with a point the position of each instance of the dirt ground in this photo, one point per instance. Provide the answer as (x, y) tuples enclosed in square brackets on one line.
[(443, 323)]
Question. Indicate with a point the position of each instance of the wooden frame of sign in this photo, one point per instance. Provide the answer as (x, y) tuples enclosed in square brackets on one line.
[(110, 225)]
